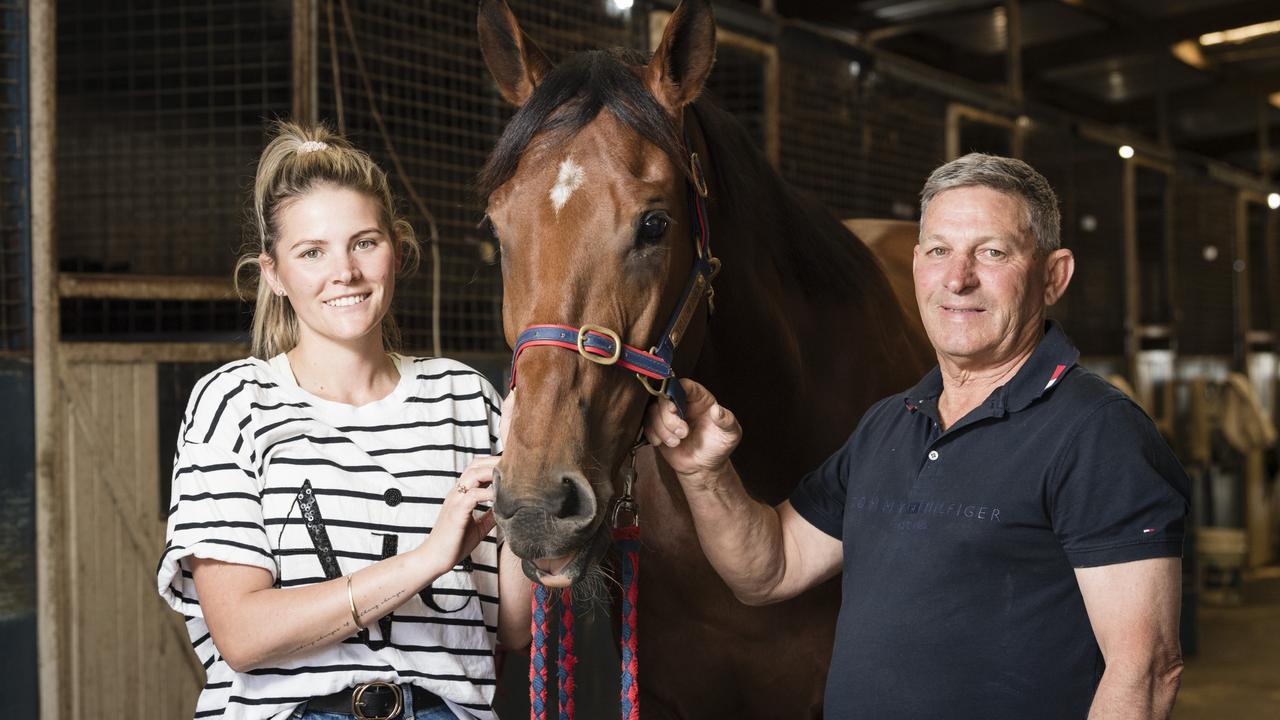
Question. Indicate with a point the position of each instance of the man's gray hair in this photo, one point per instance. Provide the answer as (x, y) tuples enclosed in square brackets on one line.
[(1007, 175)]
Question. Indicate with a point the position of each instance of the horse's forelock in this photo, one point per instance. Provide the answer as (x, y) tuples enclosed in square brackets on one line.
[(570, 97)]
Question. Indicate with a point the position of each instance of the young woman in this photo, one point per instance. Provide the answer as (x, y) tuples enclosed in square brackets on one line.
[(329, 538)]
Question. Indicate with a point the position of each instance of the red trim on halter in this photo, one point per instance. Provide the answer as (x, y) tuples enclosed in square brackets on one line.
[(593, 350)]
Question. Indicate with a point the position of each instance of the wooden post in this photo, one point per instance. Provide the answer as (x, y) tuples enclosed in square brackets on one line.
[(1244, 316), (52, 589), (1257, 510), (305, 63), (1013, 47), (1264, 138), (1132, 278)]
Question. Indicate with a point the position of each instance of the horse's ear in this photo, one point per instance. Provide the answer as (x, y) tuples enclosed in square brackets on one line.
[(683, 60), (513, 59)]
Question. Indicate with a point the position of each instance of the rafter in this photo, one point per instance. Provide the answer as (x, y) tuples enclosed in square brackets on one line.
[(1132, 34)]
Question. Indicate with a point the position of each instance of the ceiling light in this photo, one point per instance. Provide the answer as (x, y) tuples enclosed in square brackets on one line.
[(1126, 151), (1273, 201), (1240, 34), (1188, 51), (622, 5)]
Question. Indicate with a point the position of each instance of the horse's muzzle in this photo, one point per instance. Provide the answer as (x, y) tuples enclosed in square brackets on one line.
[(549, 519)]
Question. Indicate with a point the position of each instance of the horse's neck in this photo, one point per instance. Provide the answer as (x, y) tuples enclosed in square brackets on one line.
[(798, 367)]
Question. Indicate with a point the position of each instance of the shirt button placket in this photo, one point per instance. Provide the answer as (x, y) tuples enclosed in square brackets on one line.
[(933, 454)]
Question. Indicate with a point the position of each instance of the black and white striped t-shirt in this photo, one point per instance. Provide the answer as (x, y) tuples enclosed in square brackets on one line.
[(257, 454)]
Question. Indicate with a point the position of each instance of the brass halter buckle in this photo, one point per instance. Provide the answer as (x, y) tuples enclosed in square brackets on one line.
[(357, 701), (647, 384), (597, 359)]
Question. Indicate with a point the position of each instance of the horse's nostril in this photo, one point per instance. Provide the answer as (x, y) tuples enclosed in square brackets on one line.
[(570, 499)]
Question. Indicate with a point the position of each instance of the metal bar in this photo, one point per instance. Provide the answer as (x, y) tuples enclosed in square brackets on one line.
[(101, 286)]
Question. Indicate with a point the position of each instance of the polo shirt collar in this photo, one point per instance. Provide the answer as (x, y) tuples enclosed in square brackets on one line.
[(1053, 357)]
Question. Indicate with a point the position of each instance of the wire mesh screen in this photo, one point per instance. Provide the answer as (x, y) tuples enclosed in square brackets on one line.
[(1050, 149), (820, 117), (738, 83), (91, 319), (442, 116), (862, 141), (1261, 266), (15, 238), (1150, 205), (1089, 181), (161, 109), (1204, 233), (985, 137), (161, 112), (903, 139)]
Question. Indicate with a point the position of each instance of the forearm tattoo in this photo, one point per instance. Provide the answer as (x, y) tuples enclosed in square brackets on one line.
[(374, 607), (320, 640)]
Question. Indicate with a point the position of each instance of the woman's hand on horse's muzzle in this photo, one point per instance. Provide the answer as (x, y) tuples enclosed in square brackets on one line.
[(702, 441)]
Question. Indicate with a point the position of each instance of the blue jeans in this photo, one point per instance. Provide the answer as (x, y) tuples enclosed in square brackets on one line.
[(436, 712)]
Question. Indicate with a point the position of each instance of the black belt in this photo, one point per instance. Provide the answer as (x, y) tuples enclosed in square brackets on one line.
[(373, 701)]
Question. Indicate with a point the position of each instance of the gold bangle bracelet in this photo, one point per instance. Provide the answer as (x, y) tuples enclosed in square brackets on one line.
[(351, 598)]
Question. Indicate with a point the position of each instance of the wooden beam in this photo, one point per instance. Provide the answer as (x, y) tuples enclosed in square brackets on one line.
[(1134, 35), (103, 352), (53, 585), (101, 286)]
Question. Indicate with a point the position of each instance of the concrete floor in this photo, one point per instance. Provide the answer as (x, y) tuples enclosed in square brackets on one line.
[(1236, 673)]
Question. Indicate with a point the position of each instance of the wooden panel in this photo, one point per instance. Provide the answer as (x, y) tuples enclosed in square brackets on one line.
[(130, 654)]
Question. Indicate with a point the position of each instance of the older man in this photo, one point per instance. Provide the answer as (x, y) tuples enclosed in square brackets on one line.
[(1008, 529)]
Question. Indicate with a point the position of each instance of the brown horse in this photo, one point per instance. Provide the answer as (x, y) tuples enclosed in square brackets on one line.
[(588, 196)]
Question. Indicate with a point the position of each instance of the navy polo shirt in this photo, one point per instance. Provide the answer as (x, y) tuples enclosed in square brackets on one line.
[(959, 593)]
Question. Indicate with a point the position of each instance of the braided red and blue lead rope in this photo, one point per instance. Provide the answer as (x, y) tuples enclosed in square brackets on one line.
[(628, 541), (538, 654), (567, 658)]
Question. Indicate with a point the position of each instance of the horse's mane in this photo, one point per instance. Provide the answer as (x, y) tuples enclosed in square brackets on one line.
[(570, 97), (812, 249)]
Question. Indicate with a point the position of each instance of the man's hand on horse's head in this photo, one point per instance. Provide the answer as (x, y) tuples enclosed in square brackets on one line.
[(698, 445)]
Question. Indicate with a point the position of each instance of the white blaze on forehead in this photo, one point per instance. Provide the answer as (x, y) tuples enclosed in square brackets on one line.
[(569, 179)]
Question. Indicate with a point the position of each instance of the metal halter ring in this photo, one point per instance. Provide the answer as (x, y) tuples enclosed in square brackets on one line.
[(617, 344), (699, 180), (648, 385)]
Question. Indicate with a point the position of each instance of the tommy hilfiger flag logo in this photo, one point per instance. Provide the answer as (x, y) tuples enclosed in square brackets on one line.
[(1057, 374)]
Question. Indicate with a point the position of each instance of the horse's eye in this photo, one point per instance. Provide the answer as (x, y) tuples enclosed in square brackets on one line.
[(487, 226), (652, 227)]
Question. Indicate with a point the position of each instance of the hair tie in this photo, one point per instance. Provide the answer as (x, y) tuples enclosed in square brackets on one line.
[(311, 146)]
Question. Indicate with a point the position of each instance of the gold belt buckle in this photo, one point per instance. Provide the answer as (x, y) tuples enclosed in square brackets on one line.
[(357, 701)]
